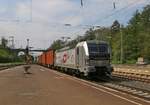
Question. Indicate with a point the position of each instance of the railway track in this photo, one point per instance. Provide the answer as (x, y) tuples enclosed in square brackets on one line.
[(129, 74), (129, 87), (136, 87), (132, 87), (6, 66), (132, 81), (3, 68)]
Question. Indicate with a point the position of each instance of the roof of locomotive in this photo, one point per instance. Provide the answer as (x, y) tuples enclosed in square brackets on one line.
[(83, 43), (91, 41), (97, 42), (64, 49)]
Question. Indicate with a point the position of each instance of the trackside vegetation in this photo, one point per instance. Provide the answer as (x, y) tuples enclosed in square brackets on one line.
[(132, 40), (7, 55)]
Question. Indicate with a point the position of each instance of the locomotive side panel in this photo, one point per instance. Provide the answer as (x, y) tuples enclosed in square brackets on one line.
[(65, 58)]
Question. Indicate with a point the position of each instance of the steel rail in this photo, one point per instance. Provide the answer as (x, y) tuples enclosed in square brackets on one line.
[(132, 76)]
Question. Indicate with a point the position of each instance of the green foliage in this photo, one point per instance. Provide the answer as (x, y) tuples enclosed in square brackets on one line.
[(57, 44), (89, 35), (6, 54), (136, 37), (4, 43), (138, 34), (3, 53)]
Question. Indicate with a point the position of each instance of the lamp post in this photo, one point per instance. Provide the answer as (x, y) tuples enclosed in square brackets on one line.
[(11, 39), (28, 42), (82, 3), (27, 48)]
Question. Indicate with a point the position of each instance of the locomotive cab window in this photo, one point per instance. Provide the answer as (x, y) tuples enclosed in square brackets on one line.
[(97, 48)]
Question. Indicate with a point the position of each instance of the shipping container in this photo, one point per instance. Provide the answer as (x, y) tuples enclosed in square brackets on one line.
[(43, 58), (50, 58), (40, 59)]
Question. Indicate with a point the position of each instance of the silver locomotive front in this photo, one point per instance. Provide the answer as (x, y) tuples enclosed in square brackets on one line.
[(93, 58)]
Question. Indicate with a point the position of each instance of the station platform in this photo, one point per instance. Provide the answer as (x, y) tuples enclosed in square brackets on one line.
[(43, 86)]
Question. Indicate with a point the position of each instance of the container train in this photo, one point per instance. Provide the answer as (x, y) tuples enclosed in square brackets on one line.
[(88, 59)]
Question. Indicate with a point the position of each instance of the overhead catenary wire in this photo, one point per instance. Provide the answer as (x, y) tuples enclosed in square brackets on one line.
[(117, 11), (114, 13), (82, 3), (114, 4)]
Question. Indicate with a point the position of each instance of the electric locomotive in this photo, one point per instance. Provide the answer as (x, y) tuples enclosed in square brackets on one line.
[(88, 58)]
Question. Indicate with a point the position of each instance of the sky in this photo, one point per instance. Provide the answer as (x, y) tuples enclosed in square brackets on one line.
[(43, 21)]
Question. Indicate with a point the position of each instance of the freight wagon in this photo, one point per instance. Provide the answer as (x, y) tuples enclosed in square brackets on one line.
[(49, 57), (43, 59), (40, 59)]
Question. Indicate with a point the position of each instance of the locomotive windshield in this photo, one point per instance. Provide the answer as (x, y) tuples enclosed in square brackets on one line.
[(98, 51), (97, 48)]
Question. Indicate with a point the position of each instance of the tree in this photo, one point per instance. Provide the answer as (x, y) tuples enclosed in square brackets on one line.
[(4, 42), (89, 34), (57, 44), (136, 37), (115, 26)]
